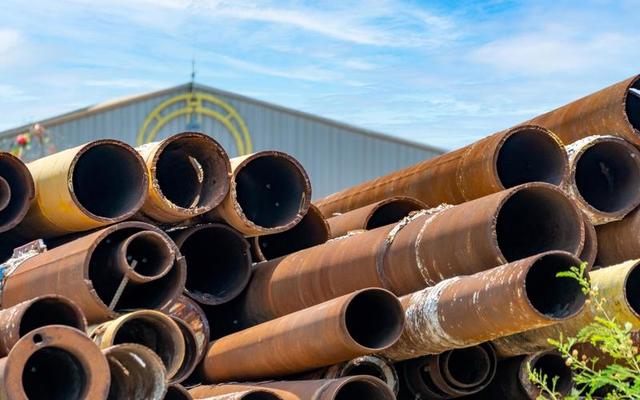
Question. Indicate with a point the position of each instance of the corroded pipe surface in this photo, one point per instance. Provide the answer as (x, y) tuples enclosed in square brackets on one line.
[(84, 271), (619, 284), (54, 363), (152, 329), (452, 374), (329, 333), (590, 248), (462, 311), (612, 110), (270, 193), (144, 256), (136, 373), (188, 176), (604, 177), (512, 377), (381, 213), (193, 315), (75, 191), (177, 392), (419, 251), (17, 190), (619, 241), (311, 231), (191, 355), (500, 161), (17, 321), (218, 262), (248, 394)]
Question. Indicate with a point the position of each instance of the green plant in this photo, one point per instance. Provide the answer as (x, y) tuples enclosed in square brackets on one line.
[(619, 377)]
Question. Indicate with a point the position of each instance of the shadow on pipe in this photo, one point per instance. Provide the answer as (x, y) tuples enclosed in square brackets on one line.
[(191, 355), (17, 190), (136, 372), (177, 392)]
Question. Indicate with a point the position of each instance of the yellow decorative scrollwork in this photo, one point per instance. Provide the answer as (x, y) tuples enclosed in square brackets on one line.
[(196, 102)]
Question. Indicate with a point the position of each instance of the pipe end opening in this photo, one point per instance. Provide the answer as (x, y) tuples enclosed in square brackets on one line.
[(632, 289), (364, 389), (632, 106), (393, 211), (54, 374), (50, 311), (379, 332), (553, 365), (467, 367)]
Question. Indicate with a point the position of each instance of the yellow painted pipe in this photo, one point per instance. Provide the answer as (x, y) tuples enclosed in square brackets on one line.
[(618, 284), (92, 185)]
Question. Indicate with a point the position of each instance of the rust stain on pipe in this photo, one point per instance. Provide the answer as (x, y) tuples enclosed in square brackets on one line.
[(191, 355), (500, 161), (248, 394), (468, 310), (192, 314), (612, 110), (590, 248), (17, 321), (604, 177), (17, 191), (381, 213), (54, 362), (136, 373), (311, 231), (419, 251), (619, 241), (270, 193), (188, 175), (329, 333), (83, 270), (218, 262), (176, 391)]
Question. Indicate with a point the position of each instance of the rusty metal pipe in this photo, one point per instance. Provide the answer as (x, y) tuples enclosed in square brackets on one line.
[(248, 394), (54, 363), (452, 374), (144, 256), (17, 321), (604, 177), (419, 251), (380, 213), (612, 110), (76, 191), (270, 193), (192, 314), (619, 284), (590, 248), (176, 391), (329, 333), (191, 355), (461, 312), (512, 377), (218, 262), (83, 271), (619, 241), (136, 372), (500, 161), (188, 176), (5, 193), (17, 190), (311, 231), (152, 329)]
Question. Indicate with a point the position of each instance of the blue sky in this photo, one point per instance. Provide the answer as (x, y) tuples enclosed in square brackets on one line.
[(439, 72)]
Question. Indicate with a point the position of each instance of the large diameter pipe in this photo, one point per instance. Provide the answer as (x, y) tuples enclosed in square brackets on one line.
[(152, 329), (218, 262), (192, 314), (88, 271), (176, 391), (86, 187), (512, 377), (17, 321), (468, 310), (380, 213), (335, 331), (500, 161), (270, 193), (619, 284), (604, 177), (191, 355), (612, 110), (54, 363), (136, 373), (452, 374), (419, 251), (17, 190), (311, 231), (619, 241), (188, 176)]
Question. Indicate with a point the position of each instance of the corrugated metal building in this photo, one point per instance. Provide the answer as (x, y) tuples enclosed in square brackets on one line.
[(336, 155)]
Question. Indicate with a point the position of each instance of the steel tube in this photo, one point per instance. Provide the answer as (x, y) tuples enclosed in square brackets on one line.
[(590, 248), (188, 176), (619, 284), (218, 262), (612, 110), (500, 161), (329, 333), (380, 213), (604, 177), (17, 190), (54, 363), (136, 373), (248, 394), (452, 374), (76, 192), (144, 256), (619, 241), (17, 321), (152, 329), (191, 356), (461, 312), (270, 193), (192, 314), (177, 392), (419, 251), (311, 231)]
